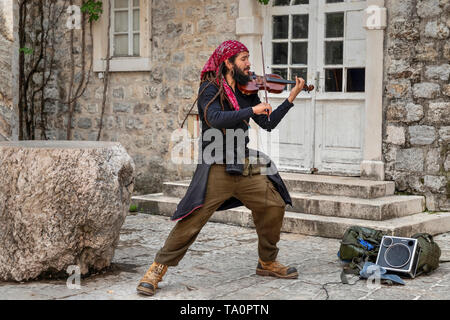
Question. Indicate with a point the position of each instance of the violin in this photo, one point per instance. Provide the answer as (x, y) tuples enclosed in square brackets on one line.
[(273, 84)]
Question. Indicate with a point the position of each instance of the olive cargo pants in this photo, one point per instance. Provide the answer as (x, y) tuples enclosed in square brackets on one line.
[(256, 192)]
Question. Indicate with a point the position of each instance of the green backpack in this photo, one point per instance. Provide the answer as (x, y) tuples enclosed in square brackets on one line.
[(360, 243), (429, 253)]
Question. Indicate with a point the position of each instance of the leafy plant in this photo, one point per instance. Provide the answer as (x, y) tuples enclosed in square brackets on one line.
[(93, 8), (264, 1), (26, 50), (133, 208)]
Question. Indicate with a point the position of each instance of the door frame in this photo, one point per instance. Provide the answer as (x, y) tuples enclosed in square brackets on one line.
[(250, 29)]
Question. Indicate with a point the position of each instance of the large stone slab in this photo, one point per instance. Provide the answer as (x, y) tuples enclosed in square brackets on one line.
[(62, 203)]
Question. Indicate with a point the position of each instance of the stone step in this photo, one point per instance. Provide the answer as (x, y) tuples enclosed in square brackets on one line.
[(340, 206), (348, 207), (337, 186), (313, 183), (308, 224)]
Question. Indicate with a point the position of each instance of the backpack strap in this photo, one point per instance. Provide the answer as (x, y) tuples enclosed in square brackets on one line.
[(353, 268)]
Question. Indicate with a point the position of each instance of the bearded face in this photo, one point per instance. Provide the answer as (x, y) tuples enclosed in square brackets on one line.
[(241, 76)]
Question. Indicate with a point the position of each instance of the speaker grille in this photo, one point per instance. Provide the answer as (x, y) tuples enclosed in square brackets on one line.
[(397, 255)]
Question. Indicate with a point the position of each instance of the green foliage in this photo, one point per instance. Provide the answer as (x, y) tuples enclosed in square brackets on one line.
[(264, 1), (93, 8), (26, 50), (133, 208)]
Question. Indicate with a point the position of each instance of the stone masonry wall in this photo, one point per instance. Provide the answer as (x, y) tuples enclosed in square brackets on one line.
[(417, 99), (6, 45), (144, 108)]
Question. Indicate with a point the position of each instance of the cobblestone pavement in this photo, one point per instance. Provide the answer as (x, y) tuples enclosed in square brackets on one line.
[(221, 265)]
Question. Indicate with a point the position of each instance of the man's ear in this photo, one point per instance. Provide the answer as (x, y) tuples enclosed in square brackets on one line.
[(228, 64)]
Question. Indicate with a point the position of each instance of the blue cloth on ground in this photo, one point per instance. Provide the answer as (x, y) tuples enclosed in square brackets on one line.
[(370, 269)]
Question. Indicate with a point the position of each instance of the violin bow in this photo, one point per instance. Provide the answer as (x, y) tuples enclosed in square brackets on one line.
[(264, 75)]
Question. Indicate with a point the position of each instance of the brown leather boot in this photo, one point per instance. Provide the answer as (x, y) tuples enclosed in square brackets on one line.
[(276, 269), (149, 283)]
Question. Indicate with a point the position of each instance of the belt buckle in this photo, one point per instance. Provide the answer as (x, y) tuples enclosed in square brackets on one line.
[(247, 169)]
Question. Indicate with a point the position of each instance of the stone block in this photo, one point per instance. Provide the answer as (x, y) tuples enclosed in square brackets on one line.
[(414, 112), (428, 8), (426, 52), (441, 72), (118, 93), (422, 135), (403, 9), (141, 108), (395, 135), (426, 90), (84, 123), (444, 133), (409, 159), (446, 89), (437, 30), (439, 113), (446, 52), (134, 123), (436, 183), (447, 163), (92, 108), (121, 107), (62, 203), (432, 161), (396, 112), (398, 89)]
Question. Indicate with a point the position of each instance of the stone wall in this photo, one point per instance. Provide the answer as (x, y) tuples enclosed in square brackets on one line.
[(417, 99), (6, 45), (144, 108)]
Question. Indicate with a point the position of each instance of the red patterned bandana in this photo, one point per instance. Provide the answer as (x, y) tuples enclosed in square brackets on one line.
[(226, 50)]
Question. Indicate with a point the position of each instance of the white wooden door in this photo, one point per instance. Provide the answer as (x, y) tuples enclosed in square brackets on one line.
[(324, 130)]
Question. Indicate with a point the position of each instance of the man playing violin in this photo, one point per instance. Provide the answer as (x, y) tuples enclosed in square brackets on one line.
[(229, 180)]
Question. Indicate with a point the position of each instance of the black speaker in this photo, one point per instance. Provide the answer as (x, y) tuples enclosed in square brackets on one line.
[(399, 255)]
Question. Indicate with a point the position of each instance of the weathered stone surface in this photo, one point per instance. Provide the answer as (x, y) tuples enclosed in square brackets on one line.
[(426, 90), (439, 112), (432, 161), (437, 30), (436, 183), (398, 89), (409, 159), (426, 52), (440, 72), (428, 8), (396, 112), (446, 89), (61, 203), (444, 133), (395, 135), (422, 135), (414, 112), (447, 163)]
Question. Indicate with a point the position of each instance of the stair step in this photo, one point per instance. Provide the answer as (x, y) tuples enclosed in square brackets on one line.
[(381, 208), (348, 207), (308, 224), (337, 186), (313, 183)]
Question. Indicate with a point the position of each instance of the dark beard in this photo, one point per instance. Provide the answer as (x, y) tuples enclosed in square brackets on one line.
[(240, 77)]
